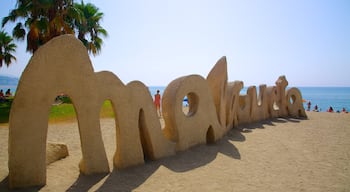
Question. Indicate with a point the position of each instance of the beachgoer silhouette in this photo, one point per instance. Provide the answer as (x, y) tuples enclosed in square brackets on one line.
[(308, 106), (157, 98), (8, 93), (344, 110), (2, 96), (330, 109)]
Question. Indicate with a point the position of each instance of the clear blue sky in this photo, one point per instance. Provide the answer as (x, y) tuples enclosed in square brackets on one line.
[(156, 41)]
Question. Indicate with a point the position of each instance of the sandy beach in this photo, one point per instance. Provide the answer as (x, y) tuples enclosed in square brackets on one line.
[(277, 155)]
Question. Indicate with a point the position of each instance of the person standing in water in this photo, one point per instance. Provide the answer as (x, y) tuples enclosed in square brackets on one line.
[(157, 103)]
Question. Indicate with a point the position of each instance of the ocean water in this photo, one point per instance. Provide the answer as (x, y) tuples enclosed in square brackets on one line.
[(323, 97)]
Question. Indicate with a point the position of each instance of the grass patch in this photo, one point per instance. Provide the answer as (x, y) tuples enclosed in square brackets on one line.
[(59, 113), (5, 108), (62, 113), (107, 110), (66, 112)]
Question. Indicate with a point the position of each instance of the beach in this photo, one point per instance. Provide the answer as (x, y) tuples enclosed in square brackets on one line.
[(282, 154)]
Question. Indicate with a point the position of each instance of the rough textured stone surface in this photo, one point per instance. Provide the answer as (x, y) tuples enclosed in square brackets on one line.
[(55, 152)]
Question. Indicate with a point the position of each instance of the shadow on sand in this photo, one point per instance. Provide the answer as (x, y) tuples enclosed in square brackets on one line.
[(5, 183), (131, 178)]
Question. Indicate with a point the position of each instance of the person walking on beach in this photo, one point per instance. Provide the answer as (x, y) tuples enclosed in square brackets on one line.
[(308, 106), (157, 103)]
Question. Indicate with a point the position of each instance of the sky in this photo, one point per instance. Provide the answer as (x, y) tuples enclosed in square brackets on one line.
[(157, 41)]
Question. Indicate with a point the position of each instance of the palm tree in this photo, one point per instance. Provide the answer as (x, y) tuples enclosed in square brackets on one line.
[(34, 14), (6, 49), (48, 20), (41, 21), (89, 28)]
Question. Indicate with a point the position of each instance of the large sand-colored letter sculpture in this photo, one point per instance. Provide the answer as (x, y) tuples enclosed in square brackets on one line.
[(63, 66), (200, 124)]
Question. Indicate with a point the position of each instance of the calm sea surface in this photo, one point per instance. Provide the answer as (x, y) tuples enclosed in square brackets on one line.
[(324, 97)]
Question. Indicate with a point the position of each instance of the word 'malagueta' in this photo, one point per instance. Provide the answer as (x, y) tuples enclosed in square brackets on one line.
[(63, 66)]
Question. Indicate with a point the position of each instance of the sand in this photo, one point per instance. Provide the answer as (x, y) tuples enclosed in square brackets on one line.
[(278, 155)]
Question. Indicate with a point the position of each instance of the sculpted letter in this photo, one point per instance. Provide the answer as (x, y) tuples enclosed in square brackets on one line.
[(295, 103), (217, 81), (272, 101), (244, 109), (60, 66), (281, 85), (138, 130), (259, 107), (63, 66), (232, 103), (200, 125)]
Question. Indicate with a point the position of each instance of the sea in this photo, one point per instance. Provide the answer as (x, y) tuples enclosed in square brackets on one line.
[(323, 97)]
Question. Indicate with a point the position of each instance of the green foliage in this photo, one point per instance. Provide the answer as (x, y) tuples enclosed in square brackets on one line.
[(59, 113), (64, 99), (40, 21), (5, 107), (7, 47), (89, 28), (107, 110), (66, 113)]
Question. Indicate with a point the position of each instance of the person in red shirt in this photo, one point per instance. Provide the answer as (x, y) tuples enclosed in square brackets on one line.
[(157, 103)]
